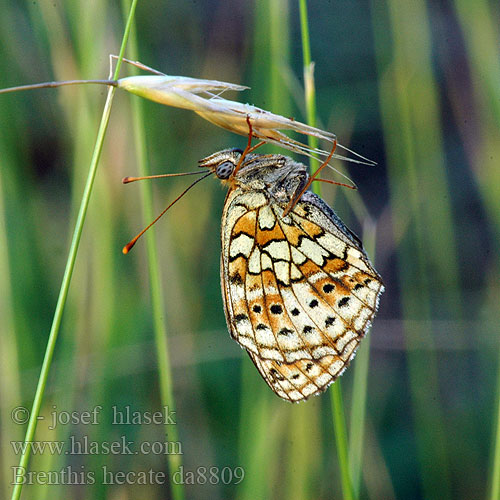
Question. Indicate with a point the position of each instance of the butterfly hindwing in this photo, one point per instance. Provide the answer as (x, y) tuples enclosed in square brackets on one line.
[(299, 291)]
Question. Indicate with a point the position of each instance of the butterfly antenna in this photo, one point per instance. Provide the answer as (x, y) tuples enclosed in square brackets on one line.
[(126, 249), (296, 198), (249, 147), (127, 180)]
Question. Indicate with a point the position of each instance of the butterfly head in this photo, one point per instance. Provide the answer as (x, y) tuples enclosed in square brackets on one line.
[(223, 163), (278, 175)]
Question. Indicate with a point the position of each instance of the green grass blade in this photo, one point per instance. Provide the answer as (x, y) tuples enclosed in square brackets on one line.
[(360, 391), (305, 438), (478, 22), (339, 422), (160, 330), (258, 441), (9, 368), (495, 469), (427, 259), (341, 439), (358, 414), (309, 87), (93, 326), (70, 264)]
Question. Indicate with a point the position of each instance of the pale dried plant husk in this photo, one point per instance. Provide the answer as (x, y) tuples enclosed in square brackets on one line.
[(203, 97)]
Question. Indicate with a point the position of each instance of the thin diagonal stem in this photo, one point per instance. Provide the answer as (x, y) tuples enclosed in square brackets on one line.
[(51, 85), (68, 272)]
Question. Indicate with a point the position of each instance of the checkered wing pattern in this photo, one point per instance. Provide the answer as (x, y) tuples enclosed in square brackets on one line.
[(299, 291)]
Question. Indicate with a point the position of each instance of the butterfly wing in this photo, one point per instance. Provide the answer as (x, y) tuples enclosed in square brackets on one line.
[(299, 291)]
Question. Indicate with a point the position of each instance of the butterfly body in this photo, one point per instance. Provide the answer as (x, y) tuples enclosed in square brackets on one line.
[(299, 290)]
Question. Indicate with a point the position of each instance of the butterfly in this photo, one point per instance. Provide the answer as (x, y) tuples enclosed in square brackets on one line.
[(299, 290)]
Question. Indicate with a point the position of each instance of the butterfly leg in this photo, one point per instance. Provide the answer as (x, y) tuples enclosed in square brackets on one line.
[(249, 147), (296, 197)]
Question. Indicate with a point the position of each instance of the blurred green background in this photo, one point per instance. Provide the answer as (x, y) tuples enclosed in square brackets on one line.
[(413, 85)]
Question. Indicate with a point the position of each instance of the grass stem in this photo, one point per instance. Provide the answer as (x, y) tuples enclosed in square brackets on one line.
[(160, 331), (341, 439), (339, 423), (68, 272)]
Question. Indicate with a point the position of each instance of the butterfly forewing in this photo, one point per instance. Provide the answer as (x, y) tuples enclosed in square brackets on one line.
[(299, 291)]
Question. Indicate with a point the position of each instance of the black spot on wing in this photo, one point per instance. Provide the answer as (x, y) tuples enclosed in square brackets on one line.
[(343, 301), (275, 374), (236, 278), (329, 321), (276, 309)]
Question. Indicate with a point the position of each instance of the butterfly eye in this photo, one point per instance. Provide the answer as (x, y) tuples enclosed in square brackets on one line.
[(224, 170)]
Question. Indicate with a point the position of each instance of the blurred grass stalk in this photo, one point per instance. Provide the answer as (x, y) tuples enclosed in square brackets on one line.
[(419, 194), (70, 57), (349, 459), (357, 422), (479, 23), (160, 330), (61, 302), (10, 395), (260, 433)]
